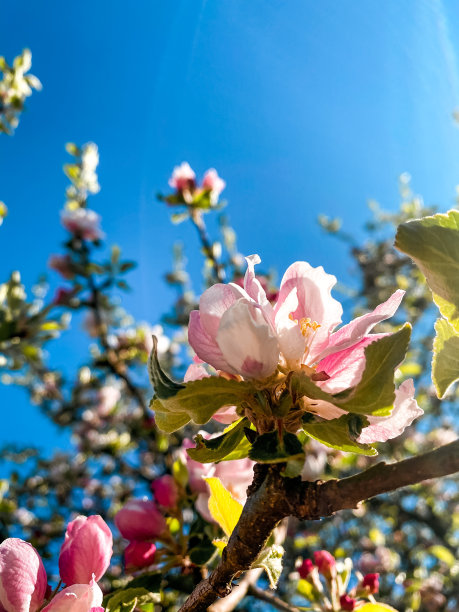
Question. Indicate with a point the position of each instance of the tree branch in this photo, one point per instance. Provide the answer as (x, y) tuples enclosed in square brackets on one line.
[(278, 497)]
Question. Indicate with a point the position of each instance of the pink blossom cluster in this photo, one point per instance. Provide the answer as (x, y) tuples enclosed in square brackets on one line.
[(324, 565), (82, 223), (84, 558), (142, 520), (235, 475), (239, 332), (183, 179)]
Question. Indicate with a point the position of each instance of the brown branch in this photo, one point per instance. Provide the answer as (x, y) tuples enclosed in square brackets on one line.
[(278, 497), (272, 599)]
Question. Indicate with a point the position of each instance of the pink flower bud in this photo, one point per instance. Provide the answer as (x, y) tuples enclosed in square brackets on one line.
[(86, 551), (371, 581), (23, 580), (140, 520), (347, 603), (325, 562), (305, 568), (183, 177), (165, 491), (77, 598), (62, 296), (139, 554), (62, 264)]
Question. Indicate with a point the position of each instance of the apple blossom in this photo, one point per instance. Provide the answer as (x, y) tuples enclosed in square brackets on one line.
[(139, 554), (165, 491), (107, 397), (347, 602), (82, 222), (76, 598), (140, 519), (23, 581), (306, 568), (226, 414), (213, 182), (239, 332), (183, 177), (86, 551)]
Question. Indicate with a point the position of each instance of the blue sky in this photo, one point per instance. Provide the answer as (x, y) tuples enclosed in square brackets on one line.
[(303, 107)]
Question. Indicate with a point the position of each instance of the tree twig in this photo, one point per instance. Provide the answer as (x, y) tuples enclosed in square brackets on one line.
[(278, 497), (272, 599)]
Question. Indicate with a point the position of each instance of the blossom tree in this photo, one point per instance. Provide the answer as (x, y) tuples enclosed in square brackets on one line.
[(279, 498)]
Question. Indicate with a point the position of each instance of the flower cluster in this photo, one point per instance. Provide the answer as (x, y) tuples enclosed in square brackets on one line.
[(84, 558), (328, 583), (15, 87), (189, 193), (142, 520)]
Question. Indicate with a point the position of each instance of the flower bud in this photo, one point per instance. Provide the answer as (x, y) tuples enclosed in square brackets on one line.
[(140, 520), (325, 562), (347, 603), (305, 568), (139, 554), (77, 598), (23, 580), (183, 177), (83, 223), (213, 182), (63, 265), (86, 551), (371, 582), (165, 491)]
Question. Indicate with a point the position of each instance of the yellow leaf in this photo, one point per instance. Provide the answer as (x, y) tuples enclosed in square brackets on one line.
[(376, 607), (222, 506)]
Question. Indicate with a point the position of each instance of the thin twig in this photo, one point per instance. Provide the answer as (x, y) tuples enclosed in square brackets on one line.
[(271, 598)]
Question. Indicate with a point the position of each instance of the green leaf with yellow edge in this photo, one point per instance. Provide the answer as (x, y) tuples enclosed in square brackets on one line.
[(374, 394), (376, 607), (445, 362), (224, 509), (433, 244), (218, 448), (336, 434)]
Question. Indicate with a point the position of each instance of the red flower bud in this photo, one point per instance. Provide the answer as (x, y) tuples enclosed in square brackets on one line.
[(305, 568), (139, 554), (325, 561), (371, 581), (166, 491), (347, 603)]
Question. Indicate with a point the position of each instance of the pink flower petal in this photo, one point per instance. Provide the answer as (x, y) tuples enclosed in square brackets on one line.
[(255, 289), (76, 598), (205, 346), (140, 519), (195, 371), (214, 302), (345, 367), (403, 414), (23, 581), (313, 287), (247, 341), (354, 331)]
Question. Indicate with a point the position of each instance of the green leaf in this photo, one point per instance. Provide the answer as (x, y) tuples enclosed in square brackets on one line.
[(433, 244), (163, 385), (224, 509), (166, 421), (269, 448), (216, 449), (375, 393), (336, 433), (126, 600), (270, 559), (445, 363), (201, 399)]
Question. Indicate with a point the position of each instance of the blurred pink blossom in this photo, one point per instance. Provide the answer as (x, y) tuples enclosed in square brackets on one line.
[(82, 222), (183, 177), (140, 519), (165, 491), (213, 182), (62, 264), (139, 554)]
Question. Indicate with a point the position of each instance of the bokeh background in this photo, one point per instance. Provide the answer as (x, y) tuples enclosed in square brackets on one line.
[(303, 107)]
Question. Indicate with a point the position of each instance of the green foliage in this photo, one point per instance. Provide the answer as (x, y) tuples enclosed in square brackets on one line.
[(445, 363), (337, 434), (270, 559), (271, 448), (232, 441), (130, 599)]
